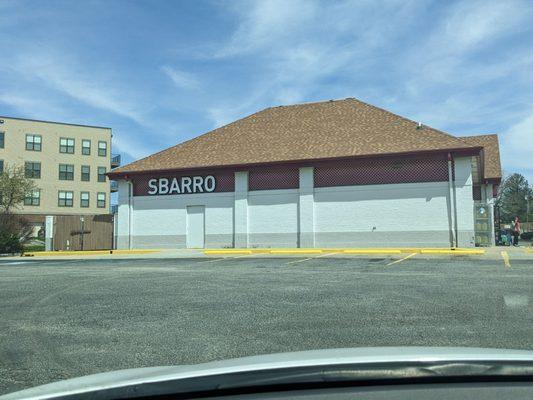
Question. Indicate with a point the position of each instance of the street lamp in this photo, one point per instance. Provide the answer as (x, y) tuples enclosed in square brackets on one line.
[(527, 211)]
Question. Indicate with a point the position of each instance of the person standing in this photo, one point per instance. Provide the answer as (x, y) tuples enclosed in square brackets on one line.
[(516, 231)]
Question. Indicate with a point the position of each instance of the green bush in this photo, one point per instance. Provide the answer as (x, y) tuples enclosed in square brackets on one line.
[(13, 233), (10, 243)]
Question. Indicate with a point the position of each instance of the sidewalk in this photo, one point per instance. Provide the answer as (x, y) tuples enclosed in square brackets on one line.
[(478, 253)]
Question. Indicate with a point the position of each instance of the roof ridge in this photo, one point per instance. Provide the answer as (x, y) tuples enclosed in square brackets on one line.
[(405, 118), (311, 103), (187, 141), (481, 135)]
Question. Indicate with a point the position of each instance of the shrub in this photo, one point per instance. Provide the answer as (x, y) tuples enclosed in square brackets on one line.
[(10, 243), (13, 232)]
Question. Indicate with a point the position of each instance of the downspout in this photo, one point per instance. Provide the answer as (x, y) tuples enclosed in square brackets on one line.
[(453, 199)]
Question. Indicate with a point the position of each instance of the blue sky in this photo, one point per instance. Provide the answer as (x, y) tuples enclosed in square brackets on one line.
[(160, 72)]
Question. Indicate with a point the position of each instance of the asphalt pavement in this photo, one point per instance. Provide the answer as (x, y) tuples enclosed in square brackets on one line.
[(66, 318)]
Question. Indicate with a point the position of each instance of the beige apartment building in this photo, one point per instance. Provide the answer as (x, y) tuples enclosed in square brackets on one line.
[(68, 163)]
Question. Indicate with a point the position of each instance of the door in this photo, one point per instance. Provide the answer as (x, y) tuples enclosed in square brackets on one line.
[(195, 227)]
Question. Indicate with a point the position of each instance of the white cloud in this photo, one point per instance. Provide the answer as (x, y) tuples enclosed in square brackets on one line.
[(474, 23), (517, 147), (69, 77), (268, 24), (129, 144), (32, 106), (181, 79), (295, 45)]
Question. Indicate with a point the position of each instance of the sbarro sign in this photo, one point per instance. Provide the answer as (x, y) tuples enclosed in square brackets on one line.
[(184, 184)]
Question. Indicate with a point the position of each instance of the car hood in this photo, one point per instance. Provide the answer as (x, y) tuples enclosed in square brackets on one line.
[(287, 368)]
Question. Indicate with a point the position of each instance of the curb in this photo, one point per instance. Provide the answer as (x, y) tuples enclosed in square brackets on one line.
[(85, 253), (371, 251), (454, 252), (419, 250)]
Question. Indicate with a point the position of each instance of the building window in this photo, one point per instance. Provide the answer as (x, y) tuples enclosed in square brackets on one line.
[(1, 166), (33, 142), (66, 172), (100, 200), (102, 149), (32, 170), (84, 199), (66, 145), (85, 173), (86, 147), (101, 174), (2, 139), (33, 198), (65, 198)]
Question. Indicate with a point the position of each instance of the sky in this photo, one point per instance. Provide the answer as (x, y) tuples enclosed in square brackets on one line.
[(161, 72)]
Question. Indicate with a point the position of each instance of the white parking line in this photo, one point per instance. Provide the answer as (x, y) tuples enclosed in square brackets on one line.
[(310, 258), (402, 259), (224, 258), (15, 263)]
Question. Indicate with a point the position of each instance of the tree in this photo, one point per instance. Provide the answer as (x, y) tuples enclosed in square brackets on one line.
[(13, 228), (13, 188), (512, 195)]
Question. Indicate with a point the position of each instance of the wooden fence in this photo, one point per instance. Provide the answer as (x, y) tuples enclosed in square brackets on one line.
[(87, 232)]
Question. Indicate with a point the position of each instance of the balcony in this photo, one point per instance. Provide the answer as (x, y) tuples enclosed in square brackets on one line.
[(114, 186), (115, 160)]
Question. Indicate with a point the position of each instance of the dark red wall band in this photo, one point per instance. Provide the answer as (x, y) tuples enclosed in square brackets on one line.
[(381, 171), (370, 171)]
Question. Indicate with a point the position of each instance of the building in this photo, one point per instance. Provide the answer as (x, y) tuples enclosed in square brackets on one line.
[(68, 163), (329, 174)]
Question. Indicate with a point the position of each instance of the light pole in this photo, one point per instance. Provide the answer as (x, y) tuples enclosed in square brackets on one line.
[(82, 220), (527, 211)]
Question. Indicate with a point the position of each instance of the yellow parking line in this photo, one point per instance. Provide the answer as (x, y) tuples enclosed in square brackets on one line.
[(402, 259), (505, 257), (222, 252), (310, 258)]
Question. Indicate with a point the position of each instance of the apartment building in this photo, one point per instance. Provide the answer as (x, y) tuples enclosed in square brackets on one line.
[(68, 163)]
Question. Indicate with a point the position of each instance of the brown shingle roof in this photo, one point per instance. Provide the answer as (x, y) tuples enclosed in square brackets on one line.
[(324, 130), (492, 168)]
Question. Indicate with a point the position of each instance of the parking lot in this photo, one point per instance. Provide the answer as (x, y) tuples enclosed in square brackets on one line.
[(66, 318)]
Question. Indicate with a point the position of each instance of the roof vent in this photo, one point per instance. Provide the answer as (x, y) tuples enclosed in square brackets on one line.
[(419, 125)]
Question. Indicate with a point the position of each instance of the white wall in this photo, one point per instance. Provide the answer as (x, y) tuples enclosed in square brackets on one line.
[(410, 214), (387, 215), (465, 201), (123, 216), (273, 218), (160, 221)]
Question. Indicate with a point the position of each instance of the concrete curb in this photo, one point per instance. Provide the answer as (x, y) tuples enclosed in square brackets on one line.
[(85, 253), (420, 250)]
